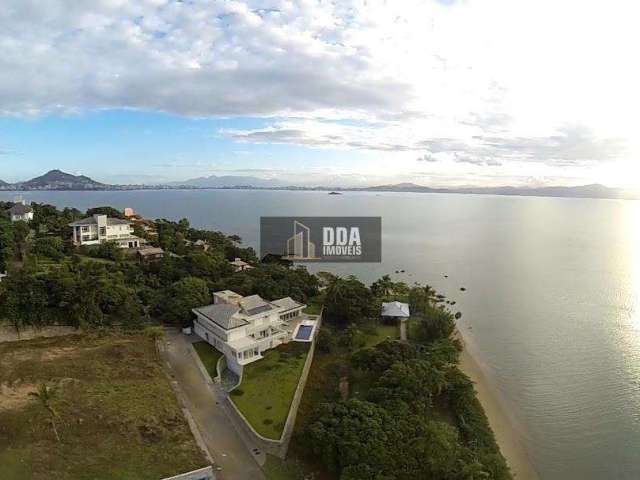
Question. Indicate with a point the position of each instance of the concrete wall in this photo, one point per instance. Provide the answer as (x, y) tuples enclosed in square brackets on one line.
[(205, 473), (278, 447), (9, 334)]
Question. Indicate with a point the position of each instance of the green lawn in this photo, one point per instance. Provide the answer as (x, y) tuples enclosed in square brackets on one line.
[(267, 388), (313, 309), (314, 305), (382, 333), (117, 415), (209, 356)]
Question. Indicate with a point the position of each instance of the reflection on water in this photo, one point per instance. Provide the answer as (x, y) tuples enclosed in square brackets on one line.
[(551, 306)]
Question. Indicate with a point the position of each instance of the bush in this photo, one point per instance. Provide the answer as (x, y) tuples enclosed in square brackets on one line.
[(352, 338), (326, 340), (51, 247), (238, 392)]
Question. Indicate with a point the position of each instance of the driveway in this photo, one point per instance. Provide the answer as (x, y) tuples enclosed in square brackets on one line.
[(229, 450)]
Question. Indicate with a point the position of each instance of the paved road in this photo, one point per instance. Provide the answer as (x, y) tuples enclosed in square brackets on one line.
[(223, 441)]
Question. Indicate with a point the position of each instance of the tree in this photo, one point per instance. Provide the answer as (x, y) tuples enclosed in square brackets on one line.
[(6, 243), (207, 266), (24, 300), (383, 356), (349, 301), (45, 395), (415, 382), (436, 324), (363, 441), (108, 211), (176, 304), (420, 299), (382, 287), (108, 250), (51, 247), (21, 233)]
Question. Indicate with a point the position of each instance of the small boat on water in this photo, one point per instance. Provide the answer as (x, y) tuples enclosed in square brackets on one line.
[(335, 193)]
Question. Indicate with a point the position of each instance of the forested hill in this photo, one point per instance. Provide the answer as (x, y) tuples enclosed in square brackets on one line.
[(56, 180)]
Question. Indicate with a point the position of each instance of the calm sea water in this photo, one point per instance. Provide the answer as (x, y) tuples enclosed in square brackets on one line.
[(552, 307)]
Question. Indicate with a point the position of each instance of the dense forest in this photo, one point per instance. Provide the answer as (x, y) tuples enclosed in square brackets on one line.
[(52, 282), (408, 412)]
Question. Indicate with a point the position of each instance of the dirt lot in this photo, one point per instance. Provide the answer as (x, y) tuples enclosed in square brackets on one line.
[(115, 412)]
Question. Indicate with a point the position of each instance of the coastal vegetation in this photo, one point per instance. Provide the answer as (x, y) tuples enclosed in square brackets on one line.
[(373, 407), (52, 282)]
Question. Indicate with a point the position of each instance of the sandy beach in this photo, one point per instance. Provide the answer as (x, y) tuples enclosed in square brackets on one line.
[(506, 434)]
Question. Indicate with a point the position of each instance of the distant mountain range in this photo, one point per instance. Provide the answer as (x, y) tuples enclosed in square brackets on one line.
[(582, 191), (58, 180), (228, 181)]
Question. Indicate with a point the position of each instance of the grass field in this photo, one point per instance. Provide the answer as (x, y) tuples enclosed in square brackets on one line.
[(209, 356), (267, 388), (382, 333), (116, 414)]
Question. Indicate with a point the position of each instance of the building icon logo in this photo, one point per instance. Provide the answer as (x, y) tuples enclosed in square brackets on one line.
[(322, 239), (300, 246)]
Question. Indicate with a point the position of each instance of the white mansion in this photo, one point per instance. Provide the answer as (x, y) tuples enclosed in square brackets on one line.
[(21, 212), (244, 327), (100, 228)]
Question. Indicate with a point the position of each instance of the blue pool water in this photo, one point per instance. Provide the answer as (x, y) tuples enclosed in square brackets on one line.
[(304, 332)]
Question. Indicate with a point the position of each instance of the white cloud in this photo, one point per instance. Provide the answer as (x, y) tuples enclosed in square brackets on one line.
[(487, 83), (569, 145), (193, 58)]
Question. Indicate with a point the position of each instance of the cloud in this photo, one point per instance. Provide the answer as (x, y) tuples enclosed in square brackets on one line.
[(569, 145), (231, 58), (463, 158), (572, 144)]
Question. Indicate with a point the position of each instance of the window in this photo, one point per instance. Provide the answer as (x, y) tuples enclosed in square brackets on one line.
[(103, 231), (85, 229)]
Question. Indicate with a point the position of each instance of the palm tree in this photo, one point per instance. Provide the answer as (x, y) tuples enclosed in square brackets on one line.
[(45, 396), (384, 286), (334, 290)]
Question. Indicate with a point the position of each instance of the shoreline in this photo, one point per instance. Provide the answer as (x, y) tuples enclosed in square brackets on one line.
[(507, 437)]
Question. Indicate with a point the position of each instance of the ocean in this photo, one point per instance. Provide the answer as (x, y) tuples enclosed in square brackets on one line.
[(551, 309)]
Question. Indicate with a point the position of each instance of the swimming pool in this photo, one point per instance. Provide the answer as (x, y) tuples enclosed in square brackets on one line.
[(304, 332)]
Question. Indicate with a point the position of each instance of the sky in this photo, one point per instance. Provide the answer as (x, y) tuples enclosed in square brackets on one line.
[(314, 92)]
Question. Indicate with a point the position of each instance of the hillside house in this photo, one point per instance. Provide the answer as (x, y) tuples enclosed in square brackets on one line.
[(100, 228), (21, 212)]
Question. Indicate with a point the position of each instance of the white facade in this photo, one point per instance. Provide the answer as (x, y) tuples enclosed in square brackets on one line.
[(242, 328), (21, 212), (25, 217), (100, 228)]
